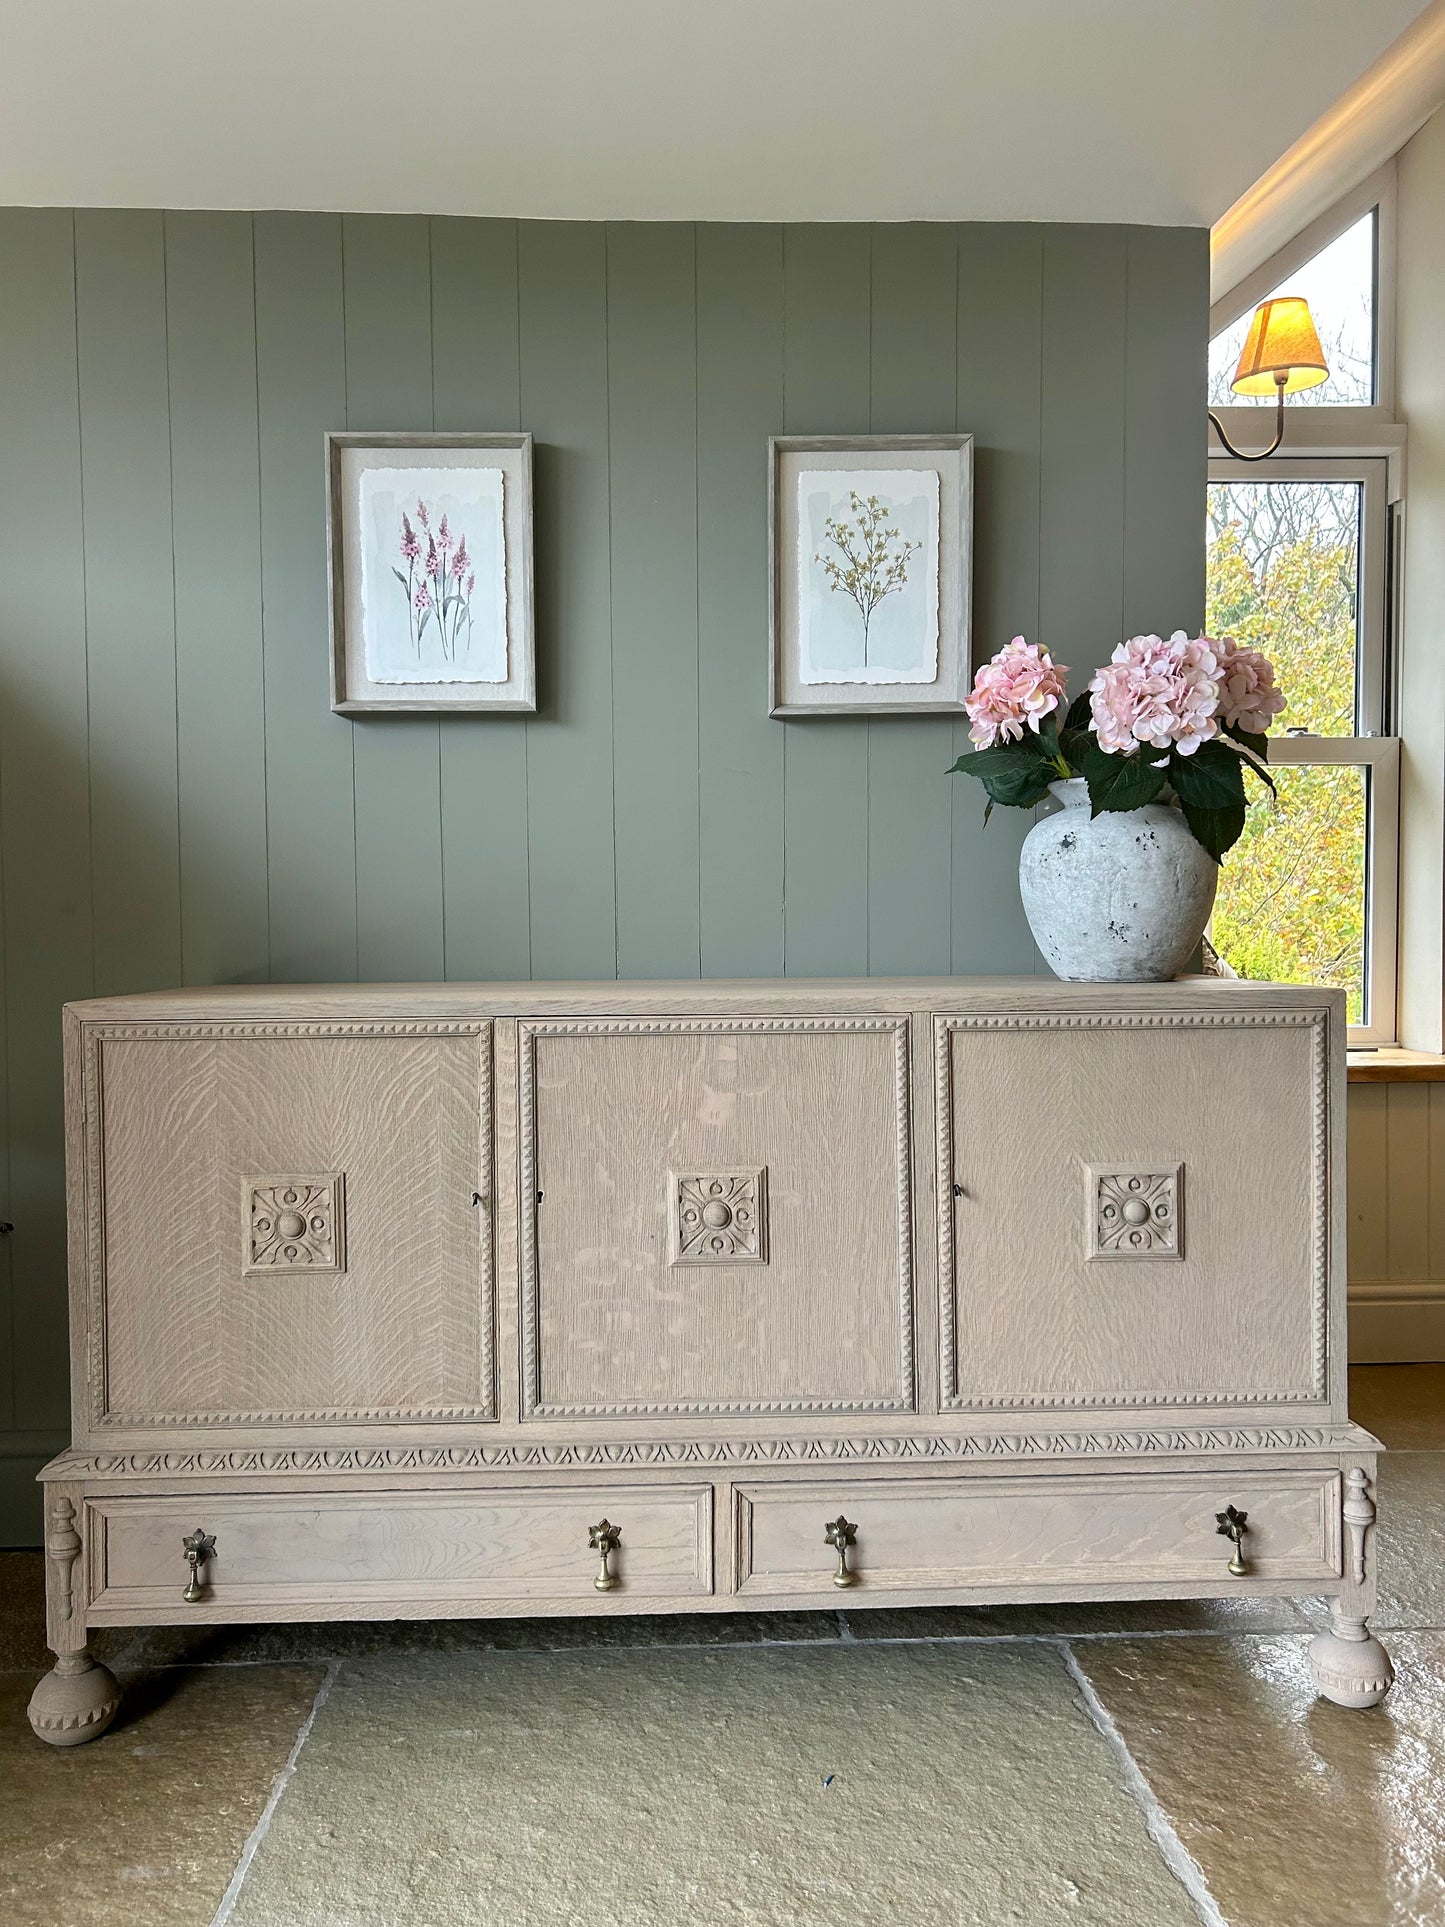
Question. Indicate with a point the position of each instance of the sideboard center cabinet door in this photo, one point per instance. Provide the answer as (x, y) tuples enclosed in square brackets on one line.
[(286, 1226), (715, 1216), (1136, 1209)]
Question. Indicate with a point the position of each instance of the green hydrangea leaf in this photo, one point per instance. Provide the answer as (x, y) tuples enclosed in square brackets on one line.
[(1217, 829), (1211, 779), (1119, 782)]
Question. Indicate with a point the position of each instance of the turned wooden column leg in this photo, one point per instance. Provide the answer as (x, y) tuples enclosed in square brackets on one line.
[(1348, 1663), (78, 1698)]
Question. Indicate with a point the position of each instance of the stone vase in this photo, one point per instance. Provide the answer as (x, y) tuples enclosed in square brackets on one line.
[(1121, 899)]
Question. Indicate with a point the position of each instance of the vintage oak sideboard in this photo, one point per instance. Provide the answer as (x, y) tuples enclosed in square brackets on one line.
[(469, 1300)]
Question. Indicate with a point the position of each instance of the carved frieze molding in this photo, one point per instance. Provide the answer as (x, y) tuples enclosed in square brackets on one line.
[(530, 1030), (303, 1029), (288, 1461), (1315, 1021)]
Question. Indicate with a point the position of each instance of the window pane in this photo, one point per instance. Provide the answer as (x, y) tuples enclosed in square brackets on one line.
[(1339, 284), (1292, 892), (1284, 576)]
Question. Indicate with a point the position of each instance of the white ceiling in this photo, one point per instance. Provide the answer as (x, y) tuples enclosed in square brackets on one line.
[(1074, 110)]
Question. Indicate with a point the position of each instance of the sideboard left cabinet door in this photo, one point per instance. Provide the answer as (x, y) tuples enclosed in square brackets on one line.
[(715, 1216), (286, 1224)]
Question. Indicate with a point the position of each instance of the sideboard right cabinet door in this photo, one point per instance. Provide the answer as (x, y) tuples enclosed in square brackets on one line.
[(1134, 1211)]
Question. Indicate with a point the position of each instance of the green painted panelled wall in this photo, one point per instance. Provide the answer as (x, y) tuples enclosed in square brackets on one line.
[(177, 802)]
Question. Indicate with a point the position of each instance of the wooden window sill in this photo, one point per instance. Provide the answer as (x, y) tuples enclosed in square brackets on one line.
[(1392, 1065)]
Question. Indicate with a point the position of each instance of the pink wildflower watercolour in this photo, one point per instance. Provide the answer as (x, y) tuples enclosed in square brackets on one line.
[(431, 572)]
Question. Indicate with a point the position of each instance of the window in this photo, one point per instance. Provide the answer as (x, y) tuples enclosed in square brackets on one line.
[(1339, 284), (1296, 567), (1300, 557)]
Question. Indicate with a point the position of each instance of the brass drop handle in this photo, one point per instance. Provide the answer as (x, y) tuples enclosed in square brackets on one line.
[(1234, 1524), (840, 1535), (199, 1547), (604, 1539)]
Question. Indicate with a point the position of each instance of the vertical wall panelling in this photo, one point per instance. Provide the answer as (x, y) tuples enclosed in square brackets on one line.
[(1081, 501), (130, 599), (563, 301), (914, 386), (177, 799), (1000, 306), (740, 748), (216, 526), (1397, 1221), (386, 263), (475, 385), (1368, 1155), (301, 379), (44, 795), (652, 465), (1407, 1198), (1167, 352), (826, 378)]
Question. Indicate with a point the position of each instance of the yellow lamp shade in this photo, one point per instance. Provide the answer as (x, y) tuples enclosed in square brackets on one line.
[(1281, 342)]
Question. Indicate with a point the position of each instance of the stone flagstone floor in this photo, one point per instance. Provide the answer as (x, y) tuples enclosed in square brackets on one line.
[(1094, 1766)]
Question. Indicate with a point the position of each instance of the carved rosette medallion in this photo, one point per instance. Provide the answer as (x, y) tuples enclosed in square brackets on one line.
[(294, 1224), (1134, 1214), (718, 1217)]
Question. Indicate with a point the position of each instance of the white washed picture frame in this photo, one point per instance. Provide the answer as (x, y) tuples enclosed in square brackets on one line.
[(906, 651), (481, 658)]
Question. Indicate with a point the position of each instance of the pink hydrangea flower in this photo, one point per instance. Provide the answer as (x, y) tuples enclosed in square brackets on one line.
[(1249, 697), (1017, 689), (1159, 693)]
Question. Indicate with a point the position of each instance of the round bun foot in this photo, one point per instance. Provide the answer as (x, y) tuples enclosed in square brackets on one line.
[(1352, 1669), (76, 1701)]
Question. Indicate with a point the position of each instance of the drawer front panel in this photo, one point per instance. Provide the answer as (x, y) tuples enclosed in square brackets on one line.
[(716, 1216), (404, 1547), (1045, 1531), (282, 1227), (1133, 1211)]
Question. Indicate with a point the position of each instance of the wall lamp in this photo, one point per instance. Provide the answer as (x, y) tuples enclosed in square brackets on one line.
[(1282, 355)]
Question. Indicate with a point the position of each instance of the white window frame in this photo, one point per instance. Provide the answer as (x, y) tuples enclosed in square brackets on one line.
[(1370, 748), (1348, 442), (1379, 193)]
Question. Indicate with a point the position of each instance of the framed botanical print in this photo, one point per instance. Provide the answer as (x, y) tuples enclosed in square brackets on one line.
[(430, 573), (869, 564)]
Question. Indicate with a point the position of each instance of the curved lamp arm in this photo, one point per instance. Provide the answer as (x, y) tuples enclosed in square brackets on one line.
[(1260, 454)]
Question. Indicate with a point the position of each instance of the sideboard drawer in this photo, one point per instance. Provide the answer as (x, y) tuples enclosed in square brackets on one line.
[(1071, 1530), (372, 1551)]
